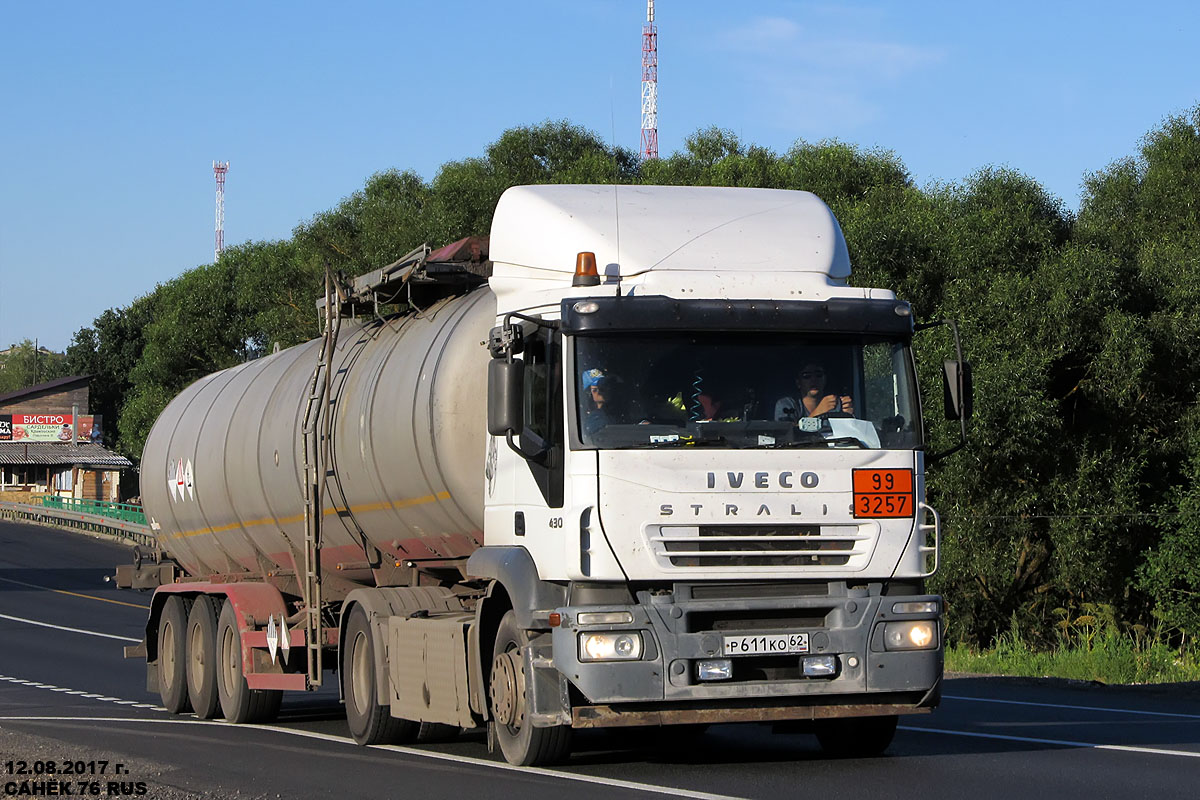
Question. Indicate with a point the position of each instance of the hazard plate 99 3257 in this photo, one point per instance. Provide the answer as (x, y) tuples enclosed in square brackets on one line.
[(766, 645)]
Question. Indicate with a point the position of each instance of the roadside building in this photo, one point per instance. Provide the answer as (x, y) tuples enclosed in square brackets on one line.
[(51, 444)]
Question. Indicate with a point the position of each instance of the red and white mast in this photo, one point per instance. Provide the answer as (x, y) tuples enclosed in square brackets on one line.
[(219, 170), (649, 84)]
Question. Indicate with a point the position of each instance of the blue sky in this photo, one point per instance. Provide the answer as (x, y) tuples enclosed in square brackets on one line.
[(112, 113)]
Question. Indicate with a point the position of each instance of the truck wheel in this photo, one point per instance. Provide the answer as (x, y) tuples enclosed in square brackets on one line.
[(370, 722), (856, 737), (202, 657), (239, 703), (172, 651), (520, 742)]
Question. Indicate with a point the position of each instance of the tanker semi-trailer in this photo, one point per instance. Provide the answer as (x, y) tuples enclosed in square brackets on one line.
[(646, 459)]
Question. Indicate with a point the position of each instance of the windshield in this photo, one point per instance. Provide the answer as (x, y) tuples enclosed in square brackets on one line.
[(745, 390)]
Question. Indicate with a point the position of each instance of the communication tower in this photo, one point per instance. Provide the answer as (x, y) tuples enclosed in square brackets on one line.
[(649, 84), (219, 170)]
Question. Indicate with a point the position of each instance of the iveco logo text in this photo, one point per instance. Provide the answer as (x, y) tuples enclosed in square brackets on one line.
[(762, 480)]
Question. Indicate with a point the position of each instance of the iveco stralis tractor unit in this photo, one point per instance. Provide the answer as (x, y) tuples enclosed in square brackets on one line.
[(642, 457)]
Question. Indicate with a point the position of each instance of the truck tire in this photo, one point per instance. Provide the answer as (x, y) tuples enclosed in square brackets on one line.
[(856, 737), (370, 722), (239, 703), (202, 657), (520, 742), (172, 654)]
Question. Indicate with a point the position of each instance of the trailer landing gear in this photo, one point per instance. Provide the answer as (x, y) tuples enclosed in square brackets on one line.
[(520, 742)]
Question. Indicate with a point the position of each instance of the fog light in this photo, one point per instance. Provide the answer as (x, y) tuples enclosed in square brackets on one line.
[(916, 635), (715, 669), (625, 646), (819, 666), (922, 607), (604, 618)]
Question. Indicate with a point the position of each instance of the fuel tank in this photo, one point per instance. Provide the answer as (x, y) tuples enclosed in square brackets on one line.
[(223, 466)]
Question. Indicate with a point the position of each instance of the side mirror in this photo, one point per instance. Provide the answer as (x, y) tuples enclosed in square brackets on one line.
[(506, 385), (958, 389)]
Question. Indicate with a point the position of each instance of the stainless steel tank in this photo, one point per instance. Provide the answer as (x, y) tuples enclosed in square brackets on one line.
[(222, 470)]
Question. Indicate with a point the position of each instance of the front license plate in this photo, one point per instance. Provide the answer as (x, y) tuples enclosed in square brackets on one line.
[(773, 644)]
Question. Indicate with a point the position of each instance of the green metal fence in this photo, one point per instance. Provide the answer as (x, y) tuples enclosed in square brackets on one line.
[(121, 511)]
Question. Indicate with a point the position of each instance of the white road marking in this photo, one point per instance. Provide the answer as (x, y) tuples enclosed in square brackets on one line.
[(1074, 708), (71, 630), (78, 693), (1055, 742), (649, 788)]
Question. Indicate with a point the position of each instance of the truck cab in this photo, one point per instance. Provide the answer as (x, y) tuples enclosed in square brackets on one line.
[(706, 459)]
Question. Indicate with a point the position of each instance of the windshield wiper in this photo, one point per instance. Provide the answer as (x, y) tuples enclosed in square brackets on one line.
[(807, 443), (682, 441)]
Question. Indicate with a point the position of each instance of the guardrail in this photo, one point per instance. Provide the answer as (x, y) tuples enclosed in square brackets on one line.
[(121, 511), (70, 519)]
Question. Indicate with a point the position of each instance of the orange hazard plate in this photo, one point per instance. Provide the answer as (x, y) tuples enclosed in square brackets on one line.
[(883, 493)]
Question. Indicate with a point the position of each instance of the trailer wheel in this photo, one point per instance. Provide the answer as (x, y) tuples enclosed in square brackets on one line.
[(172, 650), (202, 657), (520, 742), (370, 722), (856, 737), (239, 703)]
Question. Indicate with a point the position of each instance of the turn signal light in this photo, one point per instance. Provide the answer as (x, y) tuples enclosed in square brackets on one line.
[(585, 270)]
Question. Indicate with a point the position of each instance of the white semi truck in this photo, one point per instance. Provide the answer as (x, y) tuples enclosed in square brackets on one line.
[(643, 458)]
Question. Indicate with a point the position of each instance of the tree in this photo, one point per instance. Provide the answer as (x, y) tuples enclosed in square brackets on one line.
[(27, 365)]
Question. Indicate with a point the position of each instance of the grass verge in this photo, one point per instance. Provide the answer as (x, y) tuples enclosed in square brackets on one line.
[(1109, 657)]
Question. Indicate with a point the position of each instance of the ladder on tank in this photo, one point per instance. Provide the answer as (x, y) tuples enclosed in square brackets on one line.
[(317, 429)]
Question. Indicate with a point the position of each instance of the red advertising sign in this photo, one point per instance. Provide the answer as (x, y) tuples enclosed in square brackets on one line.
[(47, 428)]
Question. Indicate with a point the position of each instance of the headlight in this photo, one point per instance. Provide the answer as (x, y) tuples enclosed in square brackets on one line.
[(916, 635), (626, 646)]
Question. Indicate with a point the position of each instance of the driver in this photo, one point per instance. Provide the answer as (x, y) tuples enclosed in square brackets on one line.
[(813, 400), (598, 390)]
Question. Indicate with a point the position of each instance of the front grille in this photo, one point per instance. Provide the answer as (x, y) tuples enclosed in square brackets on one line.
[(756, 619), (715, 546)]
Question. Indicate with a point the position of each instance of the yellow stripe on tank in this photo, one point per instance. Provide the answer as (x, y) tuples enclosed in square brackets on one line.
[(360, 509)]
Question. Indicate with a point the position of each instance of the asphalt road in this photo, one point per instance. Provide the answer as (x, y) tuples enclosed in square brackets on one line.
[(67, 694)]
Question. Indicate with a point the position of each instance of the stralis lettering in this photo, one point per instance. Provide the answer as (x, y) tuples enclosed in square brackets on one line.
[(762, 480), (731, 510)]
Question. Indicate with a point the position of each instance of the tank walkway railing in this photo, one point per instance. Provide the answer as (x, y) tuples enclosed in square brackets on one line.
[(81, 520), (125, 512)]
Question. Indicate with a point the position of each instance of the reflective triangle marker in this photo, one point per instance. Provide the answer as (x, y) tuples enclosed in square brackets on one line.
[(272, 637)]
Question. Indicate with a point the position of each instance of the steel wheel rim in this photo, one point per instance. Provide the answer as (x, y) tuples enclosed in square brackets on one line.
[(196, 656), (359, 688), (167, 656), (228, 662)]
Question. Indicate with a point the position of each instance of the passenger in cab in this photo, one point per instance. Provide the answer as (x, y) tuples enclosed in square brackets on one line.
[(812, 399)]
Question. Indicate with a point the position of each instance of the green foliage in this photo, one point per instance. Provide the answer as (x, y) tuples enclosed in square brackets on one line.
[(27, 365), (1081, 488), (1090, 644)]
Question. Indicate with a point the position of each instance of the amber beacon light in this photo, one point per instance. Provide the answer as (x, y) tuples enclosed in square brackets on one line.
[(585, 270)]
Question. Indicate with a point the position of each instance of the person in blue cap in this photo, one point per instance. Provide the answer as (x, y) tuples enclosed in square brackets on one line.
[(597, 401)]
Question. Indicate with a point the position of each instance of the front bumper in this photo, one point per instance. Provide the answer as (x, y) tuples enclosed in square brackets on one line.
[(688, 624)]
